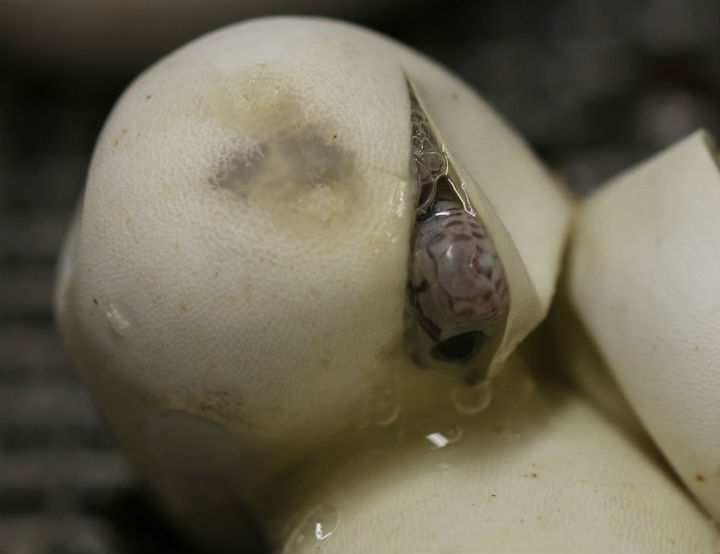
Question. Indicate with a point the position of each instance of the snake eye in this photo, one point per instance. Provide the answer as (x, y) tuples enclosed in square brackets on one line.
[(460, 347)]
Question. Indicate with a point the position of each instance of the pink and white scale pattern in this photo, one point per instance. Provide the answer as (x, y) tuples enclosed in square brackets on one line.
[(457, 281)]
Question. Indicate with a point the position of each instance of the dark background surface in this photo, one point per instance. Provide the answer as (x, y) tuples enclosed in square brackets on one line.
[(593, 86)]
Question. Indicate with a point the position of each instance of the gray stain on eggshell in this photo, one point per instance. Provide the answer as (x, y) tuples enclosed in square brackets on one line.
[(285, 163), (304, 160)]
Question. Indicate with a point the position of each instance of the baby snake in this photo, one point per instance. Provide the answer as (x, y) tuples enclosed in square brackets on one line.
[(457, 290)]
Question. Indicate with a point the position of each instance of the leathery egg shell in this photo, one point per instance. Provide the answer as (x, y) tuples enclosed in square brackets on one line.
[(241, 254), (643, 276), (553, 476)]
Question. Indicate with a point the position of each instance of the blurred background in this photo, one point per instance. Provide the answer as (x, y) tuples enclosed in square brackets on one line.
[(594, 86)]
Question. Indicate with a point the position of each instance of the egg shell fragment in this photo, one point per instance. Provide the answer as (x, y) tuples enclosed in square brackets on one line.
[(643, 276)]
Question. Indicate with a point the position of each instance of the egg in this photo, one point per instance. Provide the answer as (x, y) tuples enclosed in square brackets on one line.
[(237, 294)]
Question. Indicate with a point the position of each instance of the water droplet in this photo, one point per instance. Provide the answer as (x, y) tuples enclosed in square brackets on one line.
[(118, 322), (384, 406), (441, 440), (315, 526), (385, 410), (454, 434), (471, 399)]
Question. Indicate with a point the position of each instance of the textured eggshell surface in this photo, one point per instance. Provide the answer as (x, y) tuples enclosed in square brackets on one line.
[(643, 275), (243, 246), (555, 476)]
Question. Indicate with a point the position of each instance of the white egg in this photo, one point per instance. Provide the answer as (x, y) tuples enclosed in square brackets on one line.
[(242, 253), (233, 294)]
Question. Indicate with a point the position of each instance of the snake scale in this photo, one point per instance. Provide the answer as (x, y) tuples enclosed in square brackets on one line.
[(457, 288)]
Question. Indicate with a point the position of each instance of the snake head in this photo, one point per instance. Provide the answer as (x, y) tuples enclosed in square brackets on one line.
[(457, 291)]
